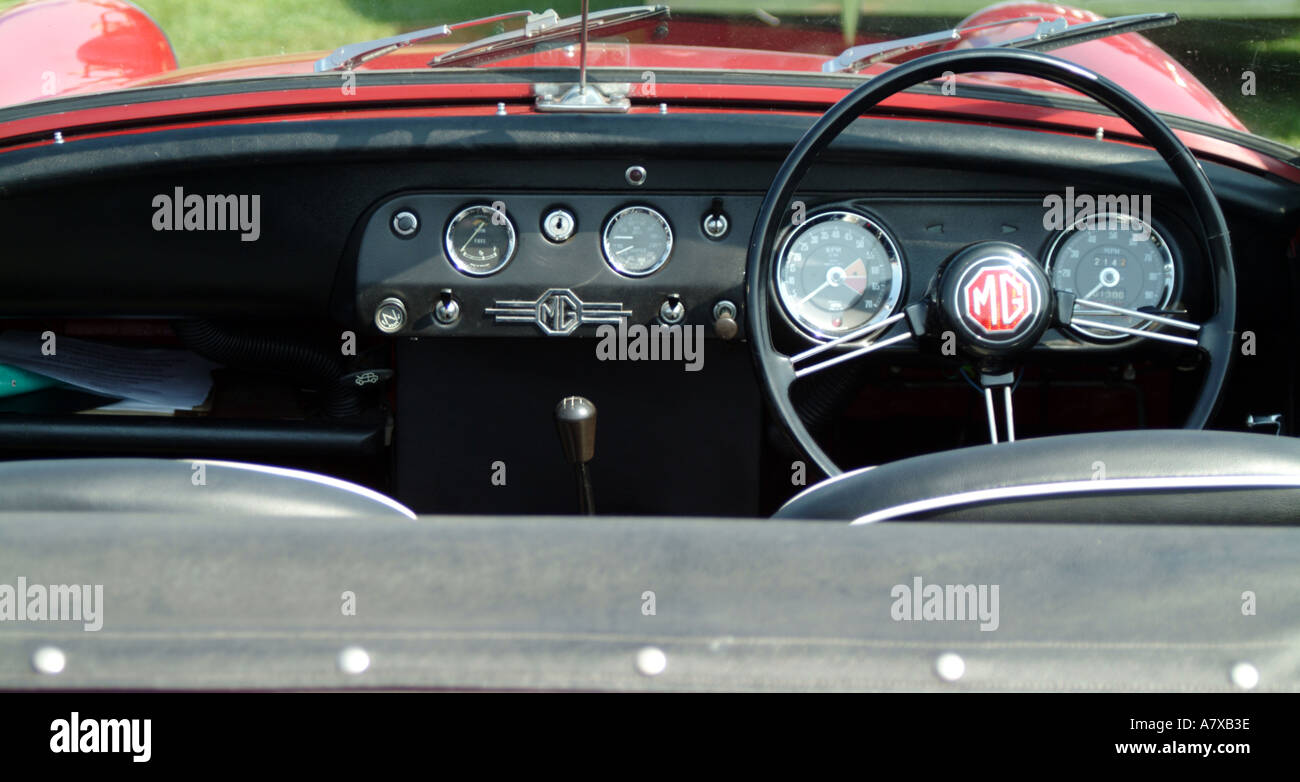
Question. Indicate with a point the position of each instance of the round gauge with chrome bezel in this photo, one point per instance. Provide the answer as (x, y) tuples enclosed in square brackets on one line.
[(637, 241), (1114, 259), (480, 240), (838, 272)]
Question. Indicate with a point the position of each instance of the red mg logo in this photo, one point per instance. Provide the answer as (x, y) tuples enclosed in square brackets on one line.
[(998, 299)]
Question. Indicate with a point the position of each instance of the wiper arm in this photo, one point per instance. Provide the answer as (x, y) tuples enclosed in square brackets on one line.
[(858, 57), (1053, 34), (354, 54), (547, 30)]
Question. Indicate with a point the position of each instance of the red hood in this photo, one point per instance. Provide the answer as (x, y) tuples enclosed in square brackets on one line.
[(1132, 61), (61, 47)]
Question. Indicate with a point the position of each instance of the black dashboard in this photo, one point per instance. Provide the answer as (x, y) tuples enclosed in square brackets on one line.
[(496, 325), (411, 280), (551, 285)]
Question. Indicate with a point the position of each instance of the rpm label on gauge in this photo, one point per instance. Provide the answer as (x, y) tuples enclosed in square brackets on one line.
[(637, 241), (1112, 259), (480, 240), (839, 272)]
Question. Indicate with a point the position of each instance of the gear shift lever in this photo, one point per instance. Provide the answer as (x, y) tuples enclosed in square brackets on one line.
[(575, 420)]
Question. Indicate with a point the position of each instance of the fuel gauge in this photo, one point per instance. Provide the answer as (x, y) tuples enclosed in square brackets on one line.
[(480, 240)]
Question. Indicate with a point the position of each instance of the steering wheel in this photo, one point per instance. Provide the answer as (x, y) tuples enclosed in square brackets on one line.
[(944, 305)]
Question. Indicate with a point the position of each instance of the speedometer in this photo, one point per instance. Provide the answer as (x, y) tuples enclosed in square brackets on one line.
[(637, 241), (1112, 259), (839, 272)]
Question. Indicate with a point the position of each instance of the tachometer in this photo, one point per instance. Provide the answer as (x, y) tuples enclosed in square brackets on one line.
[(1113, 259), (839, 272), (637, 241), (480, 240)]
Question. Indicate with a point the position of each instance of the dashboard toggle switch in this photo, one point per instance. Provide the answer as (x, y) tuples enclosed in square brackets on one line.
[(715, 223), (672, 311), (447, 310)]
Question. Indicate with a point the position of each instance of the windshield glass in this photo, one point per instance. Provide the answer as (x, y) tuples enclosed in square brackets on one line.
[(1246, 53)]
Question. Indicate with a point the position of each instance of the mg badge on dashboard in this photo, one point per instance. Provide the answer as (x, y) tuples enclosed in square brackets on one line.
[(558, 312)]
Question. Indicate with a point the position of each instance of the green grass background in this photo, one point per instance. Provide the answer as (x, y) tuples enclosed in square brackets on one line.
[(1217, 40)]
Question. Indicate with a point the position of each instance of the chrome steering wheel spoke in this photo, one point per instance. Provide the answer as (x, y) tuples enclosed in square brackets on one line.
[(862, 333), (990, 385), (1071, 318)]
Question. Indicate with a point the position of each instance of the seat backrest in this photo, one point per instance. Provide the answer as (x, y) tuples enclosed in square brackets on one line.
[(184, 486)]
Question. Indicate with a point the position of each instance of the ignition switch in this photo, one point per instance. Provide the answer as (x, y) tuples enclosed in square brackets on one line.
[(558, 225)]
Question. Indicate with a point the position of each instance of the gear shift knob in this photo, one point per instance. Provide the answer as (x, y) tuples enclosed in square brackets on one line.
[(575, 420)]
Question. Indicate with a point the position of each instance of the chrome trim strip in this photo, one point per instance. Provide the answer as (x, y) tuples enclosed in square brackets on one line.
[(1083, 487), (324, 480)]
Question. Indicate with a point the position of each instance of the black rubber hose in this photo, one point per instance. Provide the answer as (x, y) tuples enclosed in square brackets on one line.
[(240, 349)]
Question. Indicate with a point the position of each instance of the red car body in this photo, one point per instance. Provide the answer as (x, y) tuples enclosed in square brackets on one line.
[(52, 48)]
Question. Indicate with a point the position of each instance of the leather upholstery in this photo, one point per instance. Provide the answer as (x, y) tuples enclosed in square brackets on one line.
[(176, 486), (1110, 476)]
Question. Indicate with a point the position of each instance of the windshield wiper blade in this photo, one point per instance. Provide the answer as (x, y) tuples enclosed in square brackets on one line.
[(858, 57), (1068, 35), (354, 54), (1050, 34), (548, 28)]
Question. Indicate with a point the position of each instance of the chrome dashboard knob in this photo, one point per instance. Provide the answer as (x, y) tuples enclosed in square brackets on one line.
[(390, 315)]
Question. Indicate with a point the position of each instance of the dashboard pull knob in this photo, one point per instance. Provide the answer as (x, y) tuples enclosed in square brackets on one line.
[(724, 320), (390, 315)]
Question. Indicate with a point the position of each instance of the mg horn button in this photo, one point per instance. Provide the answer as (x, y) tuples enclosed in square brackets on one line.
[(995, 297)]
